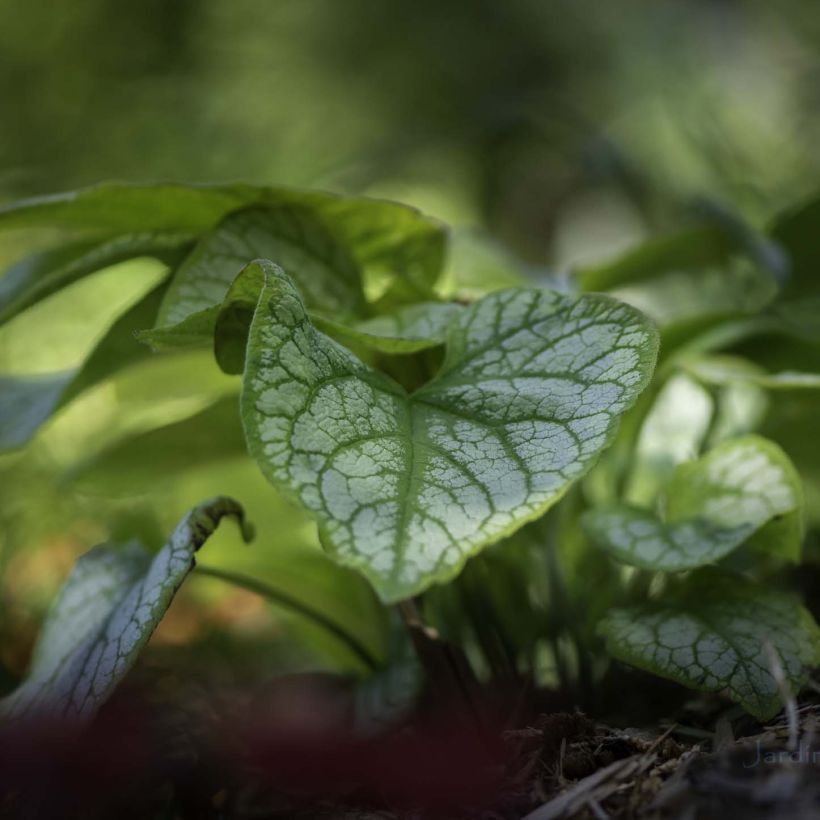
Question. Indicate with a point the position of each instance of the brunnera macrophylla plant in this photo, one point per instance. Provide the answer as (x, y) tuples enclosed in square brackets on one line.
[(419, 429)]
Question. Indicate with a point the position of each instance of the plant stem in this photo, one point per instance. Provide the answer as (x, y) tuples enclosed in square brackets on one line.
[(281, 598)]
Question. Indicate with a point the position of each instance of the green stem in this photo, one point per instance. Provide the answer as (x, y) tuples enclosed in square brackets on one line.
[(276, 596)]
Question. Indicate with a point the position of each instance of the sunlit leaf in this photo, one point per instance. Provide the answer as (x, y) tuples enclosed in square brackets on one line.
[(713, 505), (292, 236), (407, 487), (38, 276), (720, 634), (28, 402), (105, 614), (399, 251), (672, 432), (157, 457)]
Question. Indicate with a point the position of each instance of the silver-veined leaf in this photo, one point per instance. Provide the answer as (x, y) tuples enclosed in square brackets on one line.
[(407, 486), (720, 633), (104, 615), (743, 487)]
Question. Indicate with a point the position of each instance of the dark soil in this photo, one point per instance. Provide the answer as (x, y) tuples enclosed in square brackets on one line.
[(166, 748)]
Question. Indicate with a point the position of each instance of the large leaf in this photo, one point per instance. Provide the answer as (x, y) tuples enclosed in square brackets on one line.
[(29, 401), (104, 615), (122, 208), (400, 251), (714, 505), (718, 633), (407, 487)]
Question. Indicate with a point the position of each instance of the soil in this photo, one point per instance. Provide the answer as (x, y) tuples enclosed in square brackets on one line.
[(167, 747)]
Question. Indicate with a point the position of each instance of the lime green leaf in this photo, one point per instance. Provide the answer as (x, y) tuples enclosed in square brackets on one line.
[(407, 487), (29, 401), (44, 273), (714, 505), (156, 457), (400, 251), (292, 236), (105, 614), (123, 208), (717, 634), (477, 265)]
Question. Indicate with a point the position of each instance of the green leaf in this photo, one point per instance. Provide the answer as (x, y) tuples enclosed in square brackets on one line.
[(717, 634), (796, 230), (155, 458), (406, 330), (38, 276), (714, 505), (672, 432), (104, 615), (29, 401), (292, 236), (399, 250), (726, 370), (407, 487), (696, 247), (122, 207)]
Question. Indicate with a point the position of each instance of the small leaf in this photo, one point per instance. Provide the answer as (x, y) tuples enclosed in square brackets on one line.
[(716, 634), (29, 401), (714, 505), (104, 615), (407, 487)]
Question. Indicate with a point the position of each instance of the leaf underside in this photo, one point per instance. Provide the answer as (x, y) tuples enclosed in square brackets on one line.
[(105, 613), (407, 487)]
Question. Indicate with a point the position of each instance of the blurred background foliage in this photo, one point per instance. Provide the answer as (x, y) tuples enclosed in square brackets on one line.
[(556, 133)]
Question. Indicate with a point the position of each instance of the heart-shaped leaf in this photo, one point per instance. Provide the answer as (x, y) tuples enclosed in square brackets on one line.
[(105, 613), (407, 487), (714, 505), (720, 633)]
